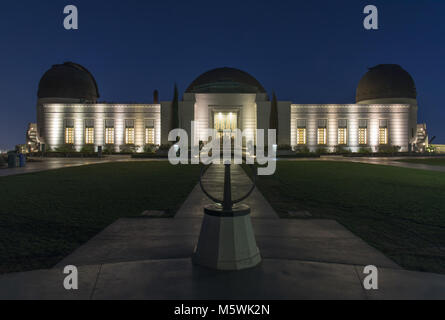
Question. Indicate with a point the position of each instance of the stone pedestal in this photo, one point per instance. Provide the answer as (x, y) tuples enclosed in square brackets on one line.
[(227, 240)]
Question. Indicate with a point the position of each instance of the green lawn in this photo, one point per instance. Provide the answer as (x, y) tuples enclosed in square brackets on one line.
[(432, 161), (45, 216), (399, 211)]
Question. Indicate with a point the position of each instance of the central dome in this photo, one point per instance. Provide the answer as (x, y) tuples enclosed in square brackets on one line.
[(225, 80)]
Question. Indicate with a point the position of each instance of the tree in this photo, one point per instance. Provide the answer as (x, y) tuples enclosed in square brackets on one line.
[(175, 109), (273, 118)]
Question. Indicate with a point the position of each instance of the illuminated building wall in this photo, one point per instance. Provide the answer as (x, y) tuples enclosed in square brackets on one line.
[(55, 118), (356, 116)]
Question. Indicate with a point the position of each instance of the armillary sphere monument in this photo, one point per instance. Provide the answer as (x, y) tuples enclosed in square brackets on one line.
[(227, 240)]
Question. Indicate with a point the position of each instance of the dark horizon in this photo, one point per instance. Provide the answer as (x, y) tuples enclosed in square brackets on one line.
[(305, 52)]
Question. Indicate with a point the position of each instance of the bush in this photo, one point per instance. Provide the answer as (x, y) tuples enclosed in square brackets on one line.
[(284, 147), (66, 148), (341, 149), (165, 147), (87, 149), (302, 149), (321, 150), (388, 149), (150, 148), (109, 149), (128, 148), (365, 150)]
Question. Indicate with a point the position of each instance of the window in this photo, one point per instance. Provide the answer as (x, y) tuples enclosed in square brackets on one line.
[(149, 132), (89, 131), (109, 131), (69, 131), (129, 131), (321, 132), (343, 132), (363, 132), (383, 132), (301, 132), (225, 121)]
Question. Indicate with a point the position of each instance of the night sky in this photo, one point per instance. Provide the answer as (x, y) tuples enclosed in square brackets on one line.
[(307, 51)]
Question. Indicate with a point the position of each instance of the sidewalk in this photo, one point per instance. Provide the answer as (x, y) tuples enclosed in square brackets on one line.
[(44, 164), (145, 258)]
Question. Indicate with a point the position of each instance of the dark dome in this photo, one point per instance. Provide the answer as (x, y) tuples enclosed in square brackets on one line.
[(225, 80), (68, 80), (386, 81)]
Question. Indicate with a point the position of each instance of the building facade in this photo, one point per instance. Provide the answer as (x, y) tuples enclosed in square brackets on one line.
[(385, 113)]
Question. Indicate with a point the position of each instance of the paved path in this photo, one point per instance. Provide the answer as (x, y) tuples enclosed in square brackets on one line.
[(44, 164), (143, 258), (386, 161)]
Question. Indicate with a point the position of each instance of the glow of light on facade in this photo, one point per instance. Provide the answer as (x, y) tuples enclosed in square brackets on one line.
[(56, 114), (397, 116)]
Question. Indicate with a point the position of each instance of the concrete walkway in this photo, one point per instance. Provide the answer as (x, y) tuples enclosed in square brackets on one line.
[(385, 161), (393, 162), (45, 164), (145, 258)]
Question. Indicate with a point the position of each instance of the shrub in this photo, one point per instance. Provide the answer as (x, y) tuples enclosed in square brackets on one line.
[(284, 147), (431, 149), (341, 149), (87, 149), (302, 149), (164, 147), (321, 150), (66, 148), (388, 148), (128, 148), (150, 148), (364, 150), (109, 149)]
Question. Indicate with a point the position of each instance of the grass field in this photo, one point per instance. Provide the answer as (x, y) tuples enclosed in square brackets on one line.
[(45, 216), (431, 161), (399, 211)]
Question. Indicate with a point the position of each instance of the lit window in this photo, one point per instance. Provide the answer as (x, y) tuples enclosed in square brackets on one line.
[(69, 131), (89, 135), (129, 131), (342, 136), (342, 132), (89, 131), (321, 132), (383, 132), (321, 136), (69, 135), (362, 135), (149, 132), (301, 136), (301, 132), (383, 136), (109, 131), (225, 121), (363, 132)]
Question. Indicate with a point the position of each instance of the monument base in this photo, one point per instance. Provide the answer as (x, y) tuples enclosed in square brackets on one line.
[(227, 240)]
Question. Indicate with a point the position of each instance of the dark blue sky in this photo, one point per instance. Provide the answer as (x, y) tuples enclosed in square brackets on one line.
[(307, 51)]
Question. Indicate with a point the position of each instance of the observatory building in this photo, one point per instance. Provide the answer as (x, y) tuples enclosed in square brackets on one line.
[(384, 114)]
